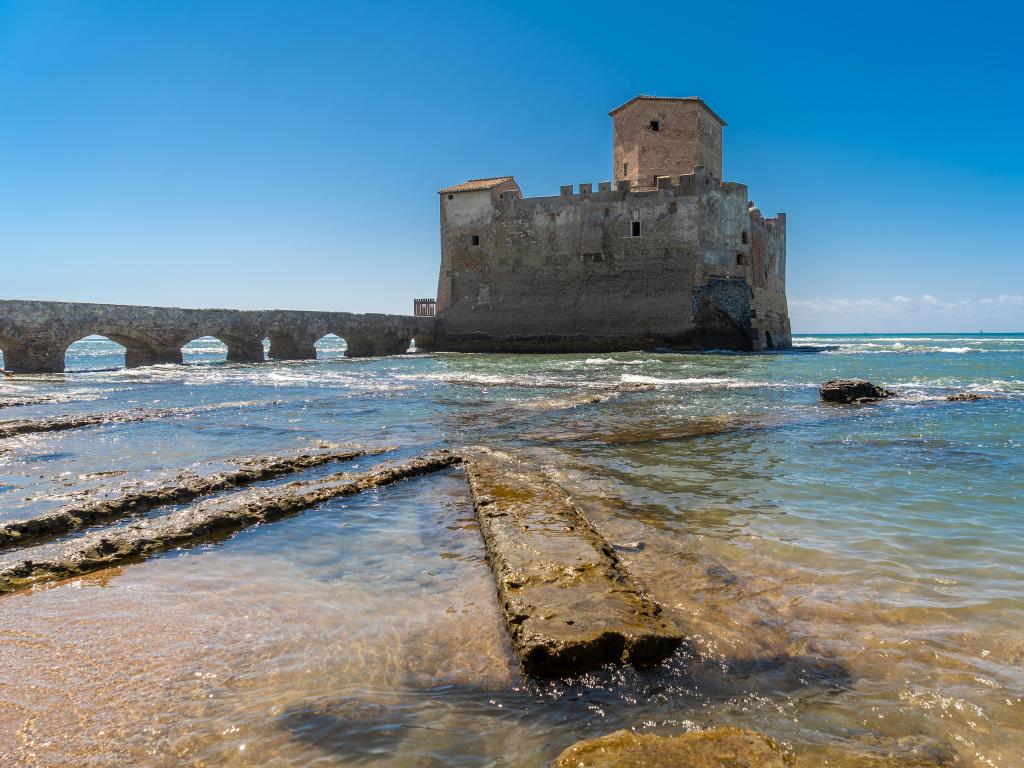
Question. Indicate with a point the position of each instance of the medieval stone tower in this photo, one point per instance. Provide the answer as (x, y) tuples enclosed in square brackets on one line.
[(655, 136), (671, 256)]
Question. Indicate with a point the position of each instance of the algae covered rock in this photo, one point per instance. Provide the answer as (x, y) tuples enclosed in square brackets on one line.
[(964, 397), (569, 604), (714, 748), (852, 391)]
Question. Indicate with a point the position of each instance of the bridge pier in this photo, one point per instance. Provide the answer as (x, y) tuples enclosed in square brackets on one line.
[(287, 347), (136, 357), (245, 351), (31, 357), (377, 344)]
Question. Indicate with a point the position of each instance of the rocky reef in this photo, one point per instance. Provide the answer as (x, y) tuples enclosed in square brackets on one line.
[(15, 427), (185, 489), (964, 397), (852, 391), (568, 602), (714, 748), (210, 520)]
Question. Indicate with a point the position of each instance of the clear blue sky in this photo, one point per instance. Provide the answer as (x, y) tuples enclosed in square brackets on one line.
[(254, 154)]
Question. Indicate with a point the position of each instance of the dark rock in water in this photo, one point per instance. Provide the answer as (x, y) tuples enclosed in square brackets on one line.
[(852, 391), (964, 397), (714, 748), (359, 730)]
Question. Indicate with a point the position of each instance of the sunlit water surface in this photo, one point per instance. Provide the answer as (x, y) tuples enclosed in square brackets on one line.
[(852, 578)]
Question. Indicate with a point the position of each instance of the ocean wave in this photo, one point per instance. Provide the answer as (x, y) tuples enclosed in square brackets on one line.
[(628, 378), (613, 361), (502, 380), (721, 382), (869, 348)]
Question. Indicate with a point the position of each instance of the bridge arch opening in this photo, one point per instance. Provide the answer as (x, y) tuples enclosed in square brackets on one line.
[(7, 345), (204, 350), (330, 347), (94, 352)]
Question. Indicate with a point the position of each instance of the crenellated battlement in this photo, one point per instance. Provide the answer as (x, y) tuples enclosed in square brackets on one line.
[(690, 183)]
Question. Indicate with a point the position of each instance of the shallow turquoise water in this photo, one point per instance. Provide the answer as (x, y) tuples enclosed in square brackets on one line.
[(852, 577)]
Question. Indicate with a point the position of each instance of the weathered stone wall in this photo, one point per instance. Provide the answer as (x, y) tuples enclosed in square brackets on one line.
[(465, 211), (689, 135), (34, 335), (565, 273)]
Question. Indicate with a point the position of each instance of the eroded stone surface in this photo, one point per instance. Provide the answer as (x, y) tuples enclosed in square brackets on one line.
[(714, 748), (185, 489), (852, 391), (568, 603), (210, 520), (15, 427)]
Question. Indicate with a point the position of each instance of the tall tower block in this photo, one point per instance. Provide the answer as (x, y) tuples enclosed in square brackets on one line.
[(657, 136)]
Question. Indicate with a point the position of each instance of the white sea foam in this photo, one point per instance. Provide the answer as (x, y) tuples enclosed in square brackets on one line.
[(713, 382), (628, 378), (502, 380), (869, 348), (613, 361)]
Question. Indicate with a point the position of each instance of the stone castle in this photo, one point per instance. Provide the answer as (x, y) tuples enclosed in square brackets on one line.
[(671, 256)]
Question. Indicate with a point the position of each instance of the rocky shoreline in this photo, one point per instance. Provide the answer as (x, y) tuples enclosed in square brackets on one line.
[(187, 488), (215, 519), (569, 603), (16, 427)]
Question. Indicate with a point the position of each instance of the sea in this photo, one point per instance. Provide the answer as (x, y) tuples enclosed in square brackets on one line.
[(851, 578)]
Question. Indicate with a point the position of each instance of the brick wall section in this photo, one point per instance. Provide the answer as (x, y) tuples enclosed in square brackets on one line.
[(688, 136)]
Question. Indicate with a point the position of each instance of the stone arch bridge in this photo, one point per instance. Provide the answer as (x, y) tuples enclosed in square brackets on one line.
[(34, 335)]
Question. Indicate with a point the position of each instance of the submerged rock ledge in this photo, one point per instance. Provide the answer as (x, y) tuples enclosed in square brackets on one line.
[(187, 488), (213, 519), (16, 427), (714, 748), (568, 603)]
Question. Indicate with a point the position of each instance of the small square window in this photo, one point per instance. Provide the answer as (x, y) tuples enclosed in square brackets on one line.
[(635, 231), (655, 125), (476, 239), (451, 197)]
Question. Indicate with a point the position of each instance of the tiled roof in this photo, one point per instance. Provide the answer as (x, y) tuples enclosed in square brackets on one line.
[(476, 185), (696, 99)]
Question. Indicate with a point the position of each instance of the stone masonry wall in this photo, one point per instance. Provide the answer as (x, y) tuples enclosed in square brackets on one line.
[(565, 273), (34, 335)]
